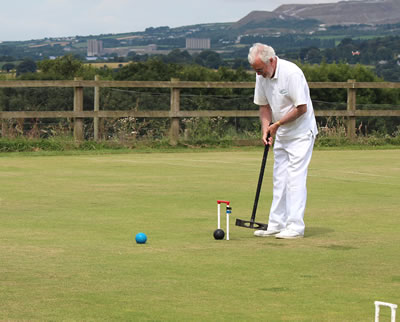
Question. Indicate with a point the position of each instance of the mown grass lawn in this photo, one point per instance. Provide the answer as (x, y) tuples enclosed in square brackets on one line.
[(67, 228)]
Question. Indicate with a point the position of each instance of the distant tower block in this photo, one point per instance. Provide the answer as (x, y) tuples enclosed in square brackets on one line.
[(198, 43), (95, 47)]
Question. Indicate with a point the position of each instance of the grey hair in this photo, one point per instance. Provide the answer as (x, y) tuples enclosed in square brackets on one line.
[(264, 52)]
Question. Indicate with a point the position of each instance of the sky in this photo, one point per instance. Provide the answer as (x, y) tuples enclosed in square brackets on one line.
[(38, 19)]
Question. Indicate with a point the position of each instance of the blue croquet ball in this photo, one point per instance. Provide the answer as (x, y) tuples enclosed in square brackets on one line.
[(141, 238)]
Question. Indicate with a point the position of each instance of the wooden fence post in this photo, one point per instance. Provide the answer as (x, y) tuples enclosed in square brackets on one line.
[(96, 109), (351, 108), (78, 107), (175, 106)]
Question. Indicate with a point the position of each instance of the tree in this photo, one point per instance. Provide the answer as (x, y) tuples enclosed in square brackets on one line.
[(26, 66), (313, 55), (384, 53), (7, 67), (240, 63), (179, 57), (66, 67), (209, 58)]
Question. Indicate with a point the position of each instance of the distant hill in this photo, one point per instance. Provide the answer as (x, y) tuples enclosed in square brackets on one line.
[(265, 21), (288, 27), (347, 12), (373, 12)]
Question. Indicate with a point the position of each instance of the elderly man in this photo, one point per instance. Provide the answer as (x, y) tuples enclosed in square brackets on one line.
[(286, 113)]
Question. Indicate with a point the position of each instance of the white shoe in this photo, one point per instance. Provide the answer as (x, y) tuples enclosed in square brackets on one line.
[(289, 234), (266, 233)]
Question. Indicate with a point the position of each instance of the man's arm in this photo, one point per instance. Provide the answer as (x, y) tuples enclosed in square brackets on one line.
[(294, 114)]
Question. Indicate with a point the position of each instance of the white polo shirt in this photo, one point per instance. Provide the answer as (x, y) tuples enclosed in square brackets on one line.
[(286, 90)]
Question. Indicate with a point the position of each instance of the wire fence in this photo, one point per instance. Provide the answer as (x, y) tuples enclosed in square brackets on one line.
[(159, 99)]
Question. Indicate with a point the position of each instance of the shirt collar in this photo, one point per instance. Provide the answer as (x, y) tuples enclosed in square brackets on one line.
[(277, 68)]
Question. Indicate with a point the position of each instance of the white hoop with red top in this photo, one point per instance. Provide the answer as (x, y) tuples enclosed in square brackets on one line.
[(228, 211)]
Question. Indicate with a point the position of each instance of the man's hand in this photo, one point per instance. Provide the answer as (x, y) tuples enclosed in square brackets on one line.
[(271, 131), (273, 128), (267, 140)]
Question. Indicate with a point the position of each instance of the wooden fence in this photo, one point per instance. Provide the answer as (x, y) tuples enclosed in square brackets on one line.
[(351, 113)]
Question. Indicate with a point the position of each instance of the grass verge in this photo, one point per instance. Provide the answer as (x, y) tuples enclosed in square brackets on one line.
[(22, 144)]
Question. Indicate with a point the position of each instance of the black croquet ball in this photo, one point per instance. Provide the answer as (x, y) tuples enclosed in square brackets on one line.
[(219, 234)]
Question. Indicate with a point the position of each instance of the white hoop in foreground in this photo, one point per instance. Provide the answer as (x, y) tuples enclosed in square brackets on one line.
[(393, 308)]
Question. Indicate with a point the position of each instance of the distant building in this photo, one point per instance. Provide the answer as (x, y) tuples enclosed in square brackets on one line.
[(355, 53), (198, 43), (118, 51), (95, 47), (152, 47)]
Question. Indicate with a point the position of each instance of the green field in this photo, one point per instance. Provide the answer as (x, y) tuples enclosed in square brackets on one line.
[(67, 249)]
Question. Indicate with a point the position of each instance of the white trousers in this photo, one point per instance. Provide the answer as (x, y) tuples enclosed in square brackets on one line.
[(292, 158)]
